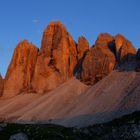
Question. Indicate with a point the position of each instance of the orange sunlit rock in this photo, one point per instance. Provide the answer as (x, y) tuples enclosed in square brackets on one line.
[(57, 58), (82, 46), (20, 70), (99, 61)]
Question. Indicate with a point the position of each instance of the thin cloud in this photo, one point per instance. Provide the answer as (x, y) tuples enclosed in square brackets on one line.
[(35, 21)]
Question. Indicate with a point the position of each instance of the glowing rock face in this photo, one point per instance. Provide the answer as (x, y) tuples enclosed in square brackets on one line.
[(57, 58), (21, 69)]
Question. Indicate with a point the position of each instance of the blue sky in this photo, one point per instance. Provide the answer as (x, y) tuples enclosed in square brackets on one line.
[(20, 19)]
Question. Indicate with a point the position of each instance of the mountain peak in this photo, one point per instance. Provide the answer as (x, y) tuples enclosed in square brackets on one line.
[(56, 23), (55, 26), (103, 39), (57, 59), (21, 68), (25, 43), (53, 34)]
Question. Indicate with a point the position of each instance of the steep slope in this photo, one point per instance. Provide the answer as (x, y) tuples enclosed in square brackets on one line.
[(115, 95), (11, 105), (46, 106), (21, 69), (57, 58)]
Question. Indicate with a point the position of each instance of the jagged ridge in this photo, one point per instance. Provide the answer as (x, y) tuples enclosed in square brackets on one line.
[(60, 58)]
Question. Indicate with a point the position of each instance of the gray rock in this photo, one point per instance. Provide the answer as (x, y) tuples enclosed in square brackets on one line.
[(136, 131), (2, 126), (19, 136)]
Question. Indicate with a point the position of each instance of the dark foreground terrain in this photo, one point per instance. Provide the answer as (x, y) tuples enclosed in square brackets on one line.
[(125, 128)]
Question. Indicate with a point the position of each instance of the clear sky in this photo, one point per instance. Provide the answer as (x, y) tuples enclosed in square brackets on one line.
[(20, 19)]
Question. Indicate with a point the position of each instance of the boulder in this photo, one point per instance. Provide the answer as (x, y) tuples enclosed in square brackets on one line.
[(19, 136)]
